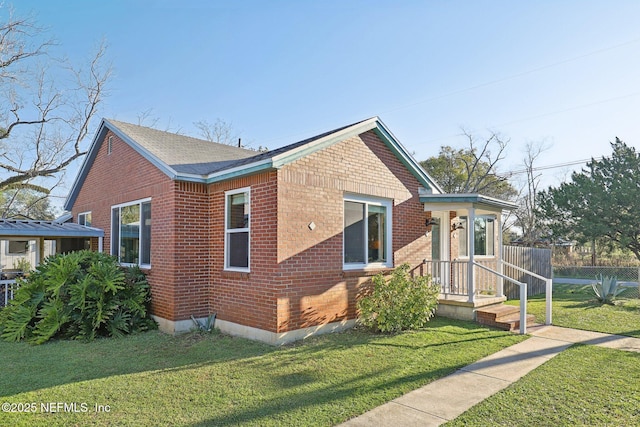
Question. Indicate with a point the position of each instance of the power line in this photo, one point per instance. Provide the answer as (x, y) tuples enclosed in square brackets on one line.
[(558, 165)]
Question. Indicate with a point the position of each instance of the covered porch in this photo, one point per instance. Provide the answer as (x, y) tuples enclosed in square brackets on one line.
[(467, 253), (25, 243)]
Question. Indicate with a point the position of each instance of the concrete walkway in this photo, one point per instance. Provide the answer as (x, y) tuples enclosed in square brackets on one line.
[(446, 398)]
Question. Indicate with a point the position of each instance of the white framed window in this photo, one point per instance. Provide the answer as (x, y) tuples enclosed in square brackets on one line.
[(367, 233), (109, 145), (131, 233), (17, 247), (84, 218), (484, 236), (237, 230)]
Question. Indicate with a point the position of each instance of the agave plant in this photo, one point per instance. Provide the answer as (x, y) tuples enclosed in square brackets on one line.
[(606, 288)]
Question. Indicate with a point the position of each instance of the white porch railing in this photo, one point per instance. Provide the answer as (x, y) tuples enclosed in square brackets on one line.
[(453, 278), (7, 288), (523, 296), (548, 291)]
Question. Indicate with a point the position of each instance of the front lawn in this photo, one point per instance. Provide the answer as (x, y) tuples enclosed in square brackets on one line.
[(575, 306), (582, 386), (155, 379)]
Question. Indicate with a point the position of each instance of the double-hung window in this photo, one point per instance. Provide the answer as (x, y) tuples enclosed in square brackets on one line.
[(484, 236), (131, 233), (367, 233), (237, 224)]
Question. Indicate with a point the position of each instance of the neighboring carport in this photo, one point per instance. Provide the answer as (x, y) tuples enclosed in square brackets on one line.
[(16, 237)]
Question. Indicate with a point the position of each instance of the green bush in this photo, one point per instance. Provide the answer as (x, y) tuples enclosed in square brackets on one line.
[(400, 303), (79, 295)]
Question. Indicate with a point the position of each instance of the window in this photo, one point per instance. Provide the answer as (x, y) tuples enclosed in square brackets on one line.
[(109, 145), (84, 219), (17, 247), (484, 240), (367, 233), (236, 231), (131, 233)]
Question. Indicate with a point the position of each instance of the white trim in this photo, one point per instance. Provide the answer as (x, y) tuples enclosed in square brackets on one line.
[(375, 201), (26, 251), (85, 218), (227, 231), (467, 232), (133, 202), (138, 202)]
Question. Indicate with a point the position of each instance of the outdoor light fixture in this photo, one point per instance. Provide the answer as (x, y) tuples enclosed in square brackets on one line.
[(431, 221), (457, 226)]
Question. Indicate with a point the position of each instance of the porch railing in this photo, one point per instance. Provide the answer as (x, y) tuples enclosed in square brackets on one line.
[(523, 296), (7, 287), (548, 289), (453, 278)]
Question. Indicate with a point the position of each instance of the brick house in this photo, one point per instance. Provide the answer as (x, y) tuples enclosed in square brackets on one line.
[(275, 243)]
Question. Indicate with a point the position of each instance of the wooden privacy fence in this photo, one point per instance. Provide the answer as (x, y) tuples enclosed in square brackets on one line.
[(536, 260)]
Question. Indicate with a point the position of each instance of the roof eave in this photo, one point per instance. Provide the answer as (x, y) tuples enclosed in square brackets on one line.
[(470, 199), (93, 152)]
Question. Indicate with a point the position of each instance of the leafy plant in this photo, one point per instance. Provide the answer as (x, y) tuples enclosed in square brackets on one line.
[(402, 302), (606, 288), (23, 265), (79, 295)]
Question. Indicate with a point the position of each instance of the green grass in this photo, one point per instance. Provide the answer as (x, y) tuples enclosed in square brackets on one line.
[(584, 385), (154, 379), (575, 306)]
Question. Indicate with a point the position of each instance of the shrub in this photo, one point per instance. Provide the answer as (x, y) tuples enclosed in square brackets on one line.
[(606, 289), (402, 302), (79, 295)]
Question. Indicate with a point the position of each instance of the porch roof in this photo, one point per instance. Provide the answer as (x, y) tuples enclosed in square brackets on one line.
[(34, 228), (434, 202)]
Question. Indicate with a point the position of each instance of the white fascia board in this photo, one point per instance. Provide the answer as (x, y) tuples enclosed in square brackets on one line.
[(407, 158)]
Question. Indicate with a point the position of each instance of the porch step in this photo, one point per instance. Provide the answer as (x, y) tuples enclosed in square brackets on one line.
[(505, 317)]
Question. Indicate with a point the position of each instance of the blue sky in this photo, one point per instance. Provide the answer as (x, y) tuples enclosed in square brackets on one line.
[(562, 73)]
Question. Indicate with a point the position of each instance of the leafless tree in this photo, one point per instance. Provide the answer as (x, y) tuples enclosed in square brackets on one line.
[(481, 164), (526, 218), (46, 106), (219, 131)]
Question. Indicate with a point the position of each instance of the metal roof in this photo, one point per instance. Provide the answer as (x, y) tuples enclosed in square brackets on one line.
[(31, 228)]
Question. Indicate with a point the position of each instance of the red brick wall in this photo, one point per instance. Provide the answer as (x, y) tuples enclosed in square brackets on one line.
[(296, 278), (124, 176), (315, 290), (246, 298)]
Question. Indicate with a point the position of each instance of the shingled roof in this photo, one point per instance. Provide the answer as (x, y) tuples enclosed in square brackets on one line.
[(182, 153), (185, 158)]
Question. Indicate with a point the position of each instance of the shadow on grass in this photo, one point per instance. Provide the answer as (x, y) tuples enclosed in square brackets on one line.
[(282, 411), (28, 368)]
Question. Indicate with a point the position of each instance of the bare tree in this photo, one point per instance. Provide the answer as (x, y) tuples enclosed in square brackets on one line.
[(472, 169), (220, 131), (44, 116), (526, 218)]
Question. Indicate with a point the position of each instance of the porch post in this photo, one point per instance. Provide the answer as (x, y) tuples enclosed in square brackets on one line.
[(40, 251), (500, 290), (471, 284)]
